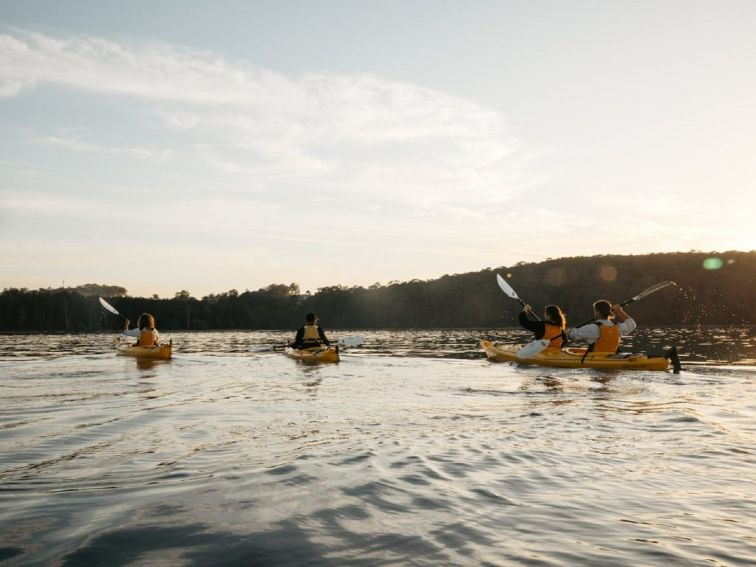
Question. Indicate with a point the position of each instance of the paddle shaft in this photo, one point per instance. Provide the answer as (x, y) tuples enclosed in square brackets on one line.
[(641, 295), (589, 321), (533, 312)]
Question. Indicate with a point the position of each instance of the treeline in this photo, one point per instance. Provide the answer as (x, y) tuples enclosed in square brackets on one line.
[(713, 289)]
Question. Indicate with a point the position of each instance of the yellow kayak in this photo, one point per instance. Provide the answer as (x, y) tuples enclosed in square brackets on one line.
[(573, 358), (317, 354), (126, 348)]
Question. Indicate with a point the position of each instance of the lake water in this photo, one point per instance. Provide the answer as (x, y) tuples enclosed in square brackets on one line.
[(414, 450)]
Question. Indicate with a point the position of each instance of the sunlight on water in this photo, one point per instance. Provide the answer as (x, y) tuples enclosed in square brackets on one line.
[(413, 450)]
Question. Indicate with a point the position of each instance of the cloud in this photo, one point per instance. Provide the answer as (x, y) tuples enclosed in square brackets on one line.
[(10, 87), (224, 160), (397, 142), (78, 145)]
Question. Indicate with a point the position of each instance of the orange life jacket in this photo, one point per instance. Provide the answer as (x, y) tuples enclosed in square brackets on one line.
[(609, 338), (311, 335), (554, 334), (146, 338)]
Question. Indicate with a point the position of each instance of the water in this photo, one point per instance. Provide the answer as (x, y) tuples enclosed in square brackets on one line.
[(413, 450)]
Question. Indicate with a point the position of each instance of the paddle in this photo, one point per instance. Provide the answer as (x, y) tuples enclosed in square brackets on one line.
[(646, 292), (351, 341), (110, 308), (506, 288), (348, 341), (533, 347)]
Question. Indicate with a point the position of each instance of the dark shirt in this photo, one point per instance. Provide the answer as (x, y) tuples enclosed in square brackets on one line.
[(299, 339), (538, 327)]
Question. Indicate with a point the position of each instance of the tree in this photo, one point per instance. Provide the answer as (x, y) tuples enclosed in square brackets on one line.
[(704, 296)]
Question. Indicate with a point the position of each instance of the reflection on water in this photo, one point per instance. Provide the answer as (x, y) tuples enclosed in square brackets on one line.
[(412, 450), (695, 344)]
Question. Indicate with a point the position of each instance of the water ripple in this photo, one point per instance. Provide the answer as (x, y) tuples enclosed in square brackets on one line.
[(413, 450)]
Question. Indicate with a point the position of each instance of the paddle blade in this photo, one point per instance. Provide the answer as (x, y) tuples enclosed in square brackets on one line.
[(506, 288), (351, 341), (532, 349), (109, 307), (654, 288)]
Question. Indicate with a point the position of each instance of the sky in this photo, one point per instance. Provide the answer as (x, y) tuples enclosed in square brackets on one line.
[(169, 145)]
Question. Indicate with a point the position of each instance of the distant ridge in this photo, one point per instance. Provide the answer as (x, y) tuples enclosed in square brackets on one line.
[(715, 288)]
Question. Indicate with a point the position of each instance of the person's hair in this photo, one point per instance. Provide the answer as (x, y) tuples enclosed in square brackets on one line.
[(555, 316), (310, 318), (146, 321), (603, 308)]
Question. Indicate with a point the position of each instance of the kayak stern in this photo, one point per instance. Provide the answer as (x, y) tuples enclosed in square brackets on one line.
[(320, 354), (157, 352)]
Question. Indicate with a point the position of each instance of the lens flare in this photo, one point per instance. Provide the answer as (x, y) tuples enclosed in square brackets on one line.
[(556, 276), (712, 263), (608, 273)]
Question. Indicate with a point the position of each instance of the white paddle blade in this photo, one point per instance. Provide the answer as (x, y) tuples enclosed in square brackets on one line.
[(351, 341), (654, 288), (506, 288), (532, 349), (109, 307)]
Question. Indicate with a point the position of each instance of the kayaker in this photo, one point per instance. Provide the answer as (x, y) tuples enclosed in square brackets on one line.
[(310, 335), (605, 333), (552, 327), (145, 330)]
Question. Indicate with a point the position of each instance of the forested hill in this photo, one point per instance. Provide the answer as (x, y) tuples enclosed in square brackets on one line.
[(713, 288)]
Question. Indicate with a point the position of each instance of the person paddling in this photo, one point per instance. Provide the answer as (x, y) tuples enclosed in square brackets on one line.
[(311, 335), (145, 330), (551, 328), (605, 333)]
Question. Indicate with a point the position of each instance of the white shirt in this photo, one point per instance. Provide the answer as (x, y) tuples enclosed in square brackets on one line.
[(591, 333), (138, 333)]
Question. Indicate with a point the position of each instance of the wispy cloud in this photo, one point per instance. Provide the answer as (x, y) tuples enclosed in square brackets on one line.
[(78, 145), (243, 161), (402, 140)]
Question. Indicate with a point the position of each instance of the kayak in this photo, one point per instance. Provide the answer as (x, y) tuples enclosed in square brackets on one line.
[(317, 354), (124, 347), (573, 358)]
